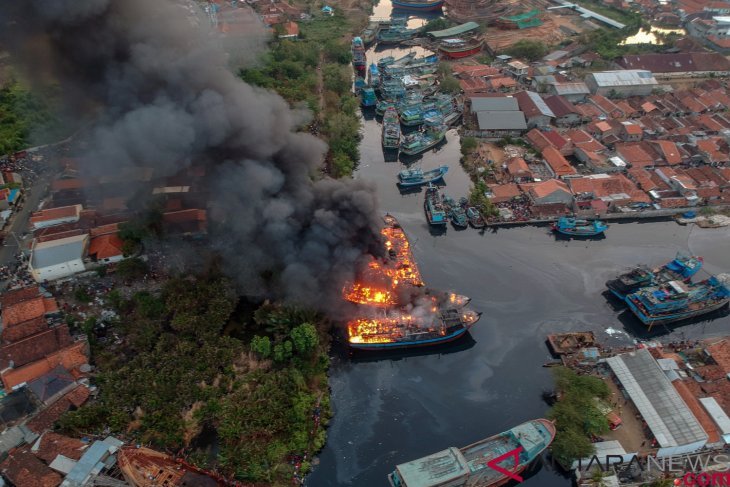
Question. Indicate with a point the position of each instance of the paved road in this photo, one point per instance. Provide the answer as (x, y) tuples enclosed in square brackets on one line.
[(19, 221)]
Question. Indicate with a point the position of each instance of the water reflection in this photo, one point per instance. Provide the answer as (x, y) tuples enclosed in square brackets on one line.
[(650, 36)]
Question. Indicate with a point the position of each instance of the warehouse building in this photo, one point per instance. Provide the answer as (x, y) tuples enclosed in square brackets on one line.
[(497, 117), (630, 82)]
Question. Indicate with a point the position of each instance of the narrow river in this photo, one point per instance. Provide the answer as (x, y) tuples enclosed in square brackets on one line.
[(393, 409)]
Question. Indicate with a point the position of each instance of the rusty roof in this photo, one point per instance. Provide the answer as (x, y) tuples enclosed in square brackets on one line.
[(28, 310), (52, 444), (106, 246), (24, 469), (34, 347), (15, 296), (11, 334), (45, 419), (675, 63), (558, 163), (56, 213)]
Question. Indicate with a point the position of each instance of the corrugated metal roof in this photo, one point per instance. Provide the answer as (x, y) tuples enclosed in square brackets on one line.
[(628, 77), (89, 464), (659, 403), (55, 252), (540, 104), (501, 120), (454, 31), (718, 415), (494, 104)]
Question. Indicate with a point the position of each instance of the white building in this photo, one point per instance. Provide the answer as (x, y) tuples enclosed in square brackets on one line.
[(55, 216), (58, 258), (629, 82), (669, 418)]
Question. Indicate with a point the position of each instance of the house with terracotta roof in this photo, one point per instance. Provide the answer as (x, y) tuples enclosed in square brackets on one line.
[(668, 150), (681, 64), (537, 112), (712, 150), (600, 129), (24, 469), (550, 192), (106, 249), (614, 190), (566, 114), (186, 222), (679, 182), (518, 170), (27, 310), (558, 164), (71, 357), (635, 154), (503, 193), (608, 107), (630, 131), (55, 216)]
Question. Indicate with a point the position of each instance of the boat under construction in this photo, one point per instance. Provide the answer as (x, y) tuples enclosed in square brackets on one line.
[(143, 467), (491, 462)]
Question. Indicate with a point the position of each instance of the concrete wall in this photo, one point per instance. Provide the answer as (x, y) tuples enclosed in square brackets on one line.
[(538, 121), (58, 271)]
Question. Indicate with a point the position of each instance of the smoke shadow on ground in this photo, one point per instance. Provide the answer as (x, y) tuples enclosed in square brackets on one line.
[(634, 327)]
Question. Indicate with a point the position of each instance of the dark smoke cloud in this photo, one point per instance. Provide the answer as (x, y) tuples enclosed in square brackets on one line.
[(166, 98)]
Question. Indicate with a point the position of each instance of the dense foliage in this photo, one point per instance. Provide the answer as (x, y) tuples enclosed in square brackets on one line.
[(527, 49), (25, 118), (478, 198), (576, 414), (293, 68), (177, 372)]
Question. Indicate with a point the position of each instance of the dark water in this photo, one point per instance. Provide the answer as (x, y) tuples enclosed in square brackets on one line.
[(528, 284)]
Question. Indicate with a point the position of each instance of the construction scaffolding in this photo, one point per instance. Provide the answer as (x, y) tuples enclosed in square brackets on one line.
[(521, 21)]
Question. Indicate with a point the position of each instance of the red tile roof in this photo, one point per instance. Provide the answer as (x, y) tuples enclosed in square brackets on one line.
[(56, 213), (34, 347), (52, 444), (106, 246), (504, 192), (44, 420), (69, 357), (720, 352), (677, 63), (668, 150), (15, 296), (546, 188), (518, 167), (607, 186), (104, 230), (22, 330), (699, 412), (635, 155), (557, 162), (24, 469), (28, 310)]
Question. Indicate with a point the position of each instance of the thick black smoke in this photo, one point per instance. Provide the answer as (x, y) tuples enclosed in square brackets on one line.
[(166, 98)]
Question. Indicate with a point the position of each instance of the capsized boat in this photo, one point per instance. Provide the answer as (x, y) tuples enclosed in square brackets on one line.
[(391, 129), (579, 228), (681, 268), (397, 329), (456, 213), (434, 207), (143, 467), (420, 5), (469, 466), (417, 177), (475, 217), (677, 300), (421, 141), (459, 48)]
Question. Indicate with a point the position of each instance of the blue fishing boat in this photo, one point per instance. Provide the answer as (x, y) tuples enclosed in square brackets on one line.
[(475, 217), (678, 300), (417, 177), (456, 213), (471, 466), (682, 268), (367, 97), (434, 207), (359, 61), (391, 129), (579, 228), (418, 142)]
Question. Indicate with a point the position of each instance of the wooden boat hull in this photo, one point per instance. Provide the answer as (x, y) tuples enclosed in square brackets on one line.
[(460, 53), (650, 320), (419, 6)]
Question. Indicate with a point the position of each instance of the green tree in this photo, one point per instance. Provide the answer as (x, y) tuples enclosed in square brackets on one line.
[(468, 145), (261, 345), (527, 49), (450, 85), (335, 79), (479, 199), (283, 351), (305, 339), (570, 445)]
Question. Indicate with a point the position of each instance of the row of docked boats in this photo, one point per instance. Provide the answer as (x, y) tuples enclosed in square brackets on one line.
[(441, 209), (667, 294), (413, 143)]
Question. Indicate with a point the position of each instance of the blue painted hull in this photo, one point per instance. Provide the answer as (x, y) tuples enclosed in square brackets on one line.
[(578, 232), (674, 317), (409, 344)]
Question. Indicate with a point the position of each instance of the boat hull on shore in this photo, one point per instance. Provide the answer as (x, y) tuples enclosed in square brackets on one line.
[(461, 51), (423, 6)]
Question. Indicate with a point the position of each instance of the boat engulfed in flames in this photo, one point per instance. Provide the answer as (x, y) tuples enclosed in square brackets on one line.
[(395, 310)]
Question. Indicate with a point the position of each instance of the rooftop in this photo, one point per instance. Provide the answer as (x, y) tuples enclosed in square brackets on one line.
[(557, 162), (28, 310), (533, 105), (51, 444), (24, 469), (106, 246), (54, 252), (677, 62), (454, 31), (623, 78), (501, 120), (494, 103), (63, 212), (659, 403), (546, 188)]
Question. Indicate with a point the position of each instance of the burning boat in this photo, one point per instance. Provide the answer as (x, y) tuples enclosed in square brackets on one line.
[(143, 467), (384, 322)]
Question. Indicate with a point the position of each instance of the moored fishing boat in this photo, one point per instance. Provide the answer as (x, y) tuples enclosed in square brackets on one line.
[(575, 227), (418, 177), (395, 35), (367, 97), (420, 5), (458, 48), (421, 141), (382, 105), (475, 217), (682, 267), (374, 75), (434, 207), (677, 300), (470, 466), (370, 33), (359, 61), (391, 129), (456, 213)]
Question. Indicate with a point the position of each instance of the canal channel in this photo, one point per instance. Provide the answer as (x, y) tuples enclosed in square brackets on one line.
[(395, 408)]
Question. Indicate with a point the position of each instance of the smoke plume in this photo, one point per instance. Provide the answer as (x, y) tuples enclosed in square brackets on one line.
[(165, 98)]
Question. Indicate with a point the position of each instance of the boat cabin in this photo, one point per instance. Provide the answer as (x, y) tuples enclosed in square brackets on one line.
[(447, 468)]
